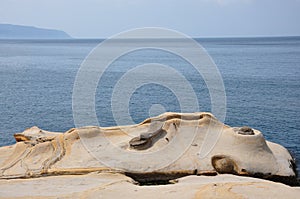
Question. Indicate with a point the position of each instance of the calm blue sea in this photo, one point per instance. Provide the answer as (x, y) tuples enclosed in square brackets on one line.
[(261, 78)]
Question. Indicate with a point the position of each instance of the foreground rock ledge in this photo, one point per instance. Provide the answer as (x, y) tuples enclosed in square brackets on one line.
[(157, 150), (105, 185)]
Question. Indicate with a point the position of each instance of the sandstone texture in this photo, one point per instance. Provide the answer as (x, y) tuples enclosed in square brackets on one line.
[(194, 154), (108, 185)]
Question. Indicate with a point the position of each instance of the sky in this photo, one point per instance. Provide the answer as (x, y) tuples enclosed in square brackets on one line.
[(195, 18)]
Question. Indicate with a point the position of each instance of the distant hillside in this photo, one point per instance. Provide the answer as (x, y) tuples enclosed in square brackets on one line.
[(9, 31)]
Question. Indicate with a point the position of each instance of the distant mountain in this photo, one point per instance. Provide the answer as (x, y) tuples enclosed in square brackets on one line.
[(9, 31)]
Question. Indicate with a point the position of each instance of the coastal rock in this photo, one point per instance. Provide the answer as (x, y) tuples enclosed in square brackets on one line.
[(109, 185), (162, 148)]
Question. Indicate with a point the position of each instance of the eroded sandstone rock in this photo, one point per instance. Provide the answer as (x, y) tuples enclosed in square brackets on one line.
[(160, 148), (109, 185)]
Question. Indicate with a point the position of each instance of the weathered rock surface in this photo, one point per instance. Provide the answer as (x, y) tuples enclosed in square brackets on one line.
[(105, 185), (162, 148), (80, 150)]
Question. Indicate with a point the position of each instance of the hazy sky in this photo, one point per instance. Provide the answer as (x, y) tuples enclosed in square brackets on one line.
[(196, 18)]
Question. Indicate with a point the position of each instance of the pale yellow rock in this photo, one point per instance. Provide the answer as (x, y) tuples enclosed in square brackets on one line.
[(160, 148), (95, 185), (95, 162)]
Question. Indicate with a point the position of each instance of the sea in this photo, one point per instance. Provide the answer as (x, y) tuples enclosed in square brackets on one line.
[(261, 77)]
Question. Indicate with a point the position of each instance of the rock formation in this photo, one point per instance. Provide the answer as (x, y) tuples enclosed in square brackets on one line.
[(157, 150), (104, 185)]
